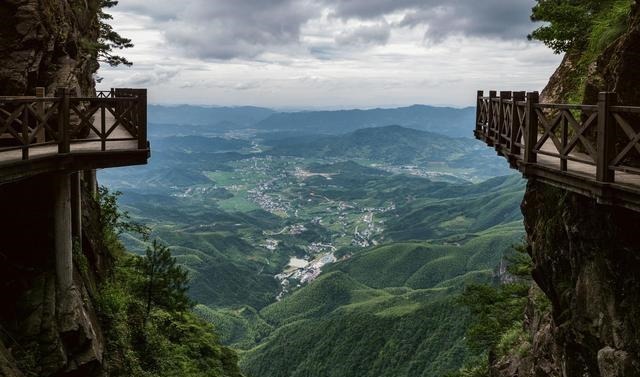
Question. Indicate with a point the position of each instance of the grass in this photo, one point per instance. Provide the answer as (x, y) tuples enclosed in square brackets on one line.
[(607, 26)]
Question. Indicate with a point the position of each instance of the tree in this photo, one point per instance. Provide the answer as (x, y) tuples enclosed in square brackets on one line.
[(109, 40), (114, 221), (164, 283), (495, 309), (567, 22)]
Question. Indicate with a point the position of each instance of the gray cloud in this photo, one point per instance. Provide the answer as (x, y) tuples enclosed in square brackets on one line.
[(152, 76), (222, 29), (507, 19), (488, 18), (227, 29), (378, 33)]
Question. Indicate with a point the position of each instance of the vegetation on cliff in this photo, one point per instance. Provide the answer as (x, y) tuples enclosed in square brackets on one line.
[(146, 316), (583, 30), (496, 310)]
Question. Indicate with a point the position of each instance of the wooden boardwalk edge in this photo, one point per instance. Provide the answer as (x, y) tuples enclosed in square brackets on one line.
[(591, 150)]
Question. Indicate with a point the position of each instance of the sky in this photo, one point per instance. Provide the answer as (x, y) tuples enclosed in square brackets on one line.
[(327, 54)]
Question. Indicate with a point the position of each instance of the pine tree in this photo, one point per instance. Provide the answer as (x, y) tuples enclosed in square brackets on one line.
[(109, 39), (164, 283)]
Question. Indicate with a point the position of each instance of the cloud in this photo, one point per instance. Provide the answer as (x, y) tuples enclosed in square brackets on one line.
[(377, 34), (327, 53), (150, 77), (487, 19), (506, 19), (224, 30)]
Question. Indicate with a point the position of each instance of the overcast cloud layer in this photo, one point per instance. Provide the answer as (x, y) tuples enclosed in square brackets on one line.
[(328, 53)]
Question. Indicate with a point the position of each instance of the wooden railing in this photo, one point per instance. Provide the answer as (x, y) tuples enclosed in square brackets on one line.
[(31, 124), (565, 144)]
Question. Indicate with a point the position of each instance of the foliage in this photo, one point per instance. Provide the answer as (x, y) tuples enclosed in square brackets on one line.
[(164, 283), (497, 314), (568, 22), (109, 39), (515, 340), (403, 295), (492, 309), (374, 333), (475, 367), (166, 344), (114, 221), (574, 24), (163, 339)]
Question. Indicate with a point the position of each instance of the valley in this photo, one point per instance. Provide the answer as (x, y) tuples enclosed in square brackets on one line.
[(288, 236)]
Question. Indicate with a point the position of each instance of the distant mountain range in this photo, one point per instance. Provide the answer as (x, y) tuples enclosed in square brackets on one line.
[(219, 117), (198, 120), (394, 145), (443, 120)]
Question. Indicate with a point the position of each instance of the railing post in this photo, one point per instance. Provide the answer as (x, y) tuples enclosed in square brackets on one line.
[(142, 118), (515, 123), (490, 120), (606, 137), (479, 111), (531, 128), (504, 96), (40, 93), (63, 120)]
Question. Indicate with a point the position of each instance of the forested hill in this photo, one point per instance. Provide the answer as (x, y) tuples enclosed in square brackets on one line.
[(199, 120), (391, 144), (443, 120)]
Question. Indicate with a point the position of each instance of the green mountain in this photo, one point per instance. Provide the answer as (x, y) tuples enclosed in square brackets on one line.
[(388, 311), (201, 120), (394, 145), (443, 120)]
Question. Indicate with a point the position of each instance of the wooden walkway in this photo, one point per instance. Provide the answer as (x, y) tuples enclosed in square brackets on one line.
[(593, 150), (46, 134)]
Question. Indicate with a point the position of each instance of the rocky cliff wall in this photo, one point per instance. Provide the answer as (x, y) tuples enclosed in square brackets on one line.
[(41, 335), (47, 43)]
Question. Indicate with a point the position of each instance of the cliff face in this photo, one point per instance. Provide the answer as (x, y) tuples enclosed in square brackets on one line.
[(46, 43), (41, 335), (586, 260), (42, 43), (586, 256)]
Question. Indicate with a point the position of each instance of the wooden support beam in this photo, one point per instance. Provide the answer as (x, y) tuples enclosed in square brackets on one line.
[(91, 181), (606, 137), (62, 232), (76, 207)]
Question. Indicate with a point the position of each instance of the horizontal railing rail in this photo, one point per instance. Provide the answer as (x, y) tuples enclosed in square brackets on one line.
[(592, 142), (35, 125)]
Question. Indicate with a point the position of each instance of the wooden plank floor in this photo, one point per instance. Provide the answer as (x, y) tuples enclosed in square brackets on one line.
[(581, 169), (40, 151)]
